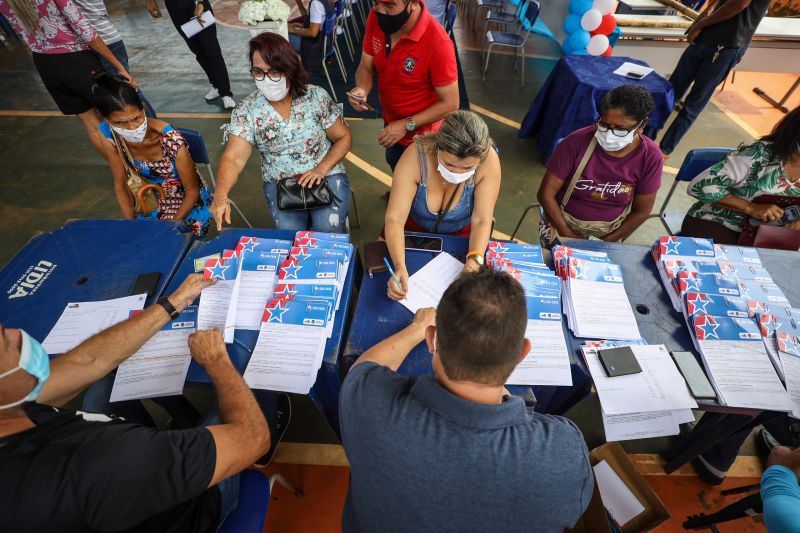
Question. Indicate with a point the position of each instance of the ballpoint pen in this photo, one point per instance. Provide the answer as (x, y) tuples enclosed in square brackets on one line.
[(391, 271)]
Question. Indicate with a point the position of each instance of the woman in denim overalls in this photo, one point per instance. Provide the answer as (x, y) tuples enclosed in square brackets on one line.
[(444, 183)]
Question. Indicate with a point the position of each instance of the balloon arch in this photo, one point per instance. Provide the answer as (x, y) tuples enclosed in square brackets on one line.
[(588, 26)]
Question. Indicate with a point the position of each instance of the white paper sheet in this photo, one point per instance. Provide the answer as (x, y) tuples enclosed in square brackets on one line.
[(548, 361), (791, 369), (743, 375), (81, 320), (658, 387), (639, 425), (255, 288), (193, 27), (158, 369), (286, 358), (213, 311), (621, 503), (601, 310), (426, 286), (627, 68)]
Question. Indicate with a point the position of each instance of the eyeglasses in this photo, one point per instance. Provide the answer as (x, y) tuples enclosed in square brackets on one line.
[(259, 74), (619, 132)]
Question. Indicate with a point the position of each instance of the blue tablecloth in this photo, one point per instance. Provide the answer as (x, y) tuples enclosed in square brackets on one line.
[(86, 260), (325, 392), (376, 318), (570, 98)]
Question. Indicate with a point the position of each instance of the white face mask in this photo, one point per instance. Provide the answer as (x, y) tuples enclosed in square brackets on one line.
[(135, 135), (274, 91), (612, 143), (453, 177)]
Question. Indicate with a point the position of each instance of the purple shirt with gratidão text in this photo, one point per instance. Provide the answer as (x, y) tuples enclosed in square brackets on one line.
[(608, 184)]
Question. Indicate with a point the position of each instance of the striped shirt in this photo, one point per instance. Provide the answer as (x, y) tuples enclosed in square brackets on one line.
[(95, 12)]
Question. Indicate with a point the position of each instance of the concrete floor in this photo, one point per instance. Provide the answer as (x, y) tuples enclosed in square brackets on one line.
[(50, 174)]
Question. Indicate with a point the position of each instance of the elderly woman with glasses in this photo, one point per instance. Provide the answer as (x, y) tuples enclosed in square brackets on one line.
[(602, 180), (300, 133)]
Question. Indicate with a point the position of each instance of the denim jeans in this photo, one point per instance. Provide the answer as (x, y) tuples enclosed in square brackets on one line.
[(326, 219), (97, 399), (119, 51), (697, 65), (295, 41)]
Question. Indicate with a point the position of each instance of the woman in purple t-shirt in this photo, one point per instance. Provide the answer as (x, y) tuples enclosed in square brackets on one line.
[(614, 192)]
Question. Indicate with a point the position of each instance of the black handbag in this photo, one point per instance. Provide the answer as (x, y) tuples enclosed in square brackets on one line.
[(294, 197)]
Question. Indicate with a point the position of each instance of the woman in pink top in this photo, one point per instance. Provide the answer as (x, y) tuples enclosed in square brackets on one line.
[(62, 42), (614, 192)]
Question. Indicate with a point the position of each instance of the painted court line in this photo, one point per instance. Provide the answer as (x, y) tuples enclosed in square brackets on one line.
[(491, 114)]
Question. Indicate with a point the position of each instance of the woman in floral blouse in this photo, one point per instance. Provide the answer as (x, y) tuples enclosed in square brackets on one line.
[(726, 191), (62, 41), (299, 131)]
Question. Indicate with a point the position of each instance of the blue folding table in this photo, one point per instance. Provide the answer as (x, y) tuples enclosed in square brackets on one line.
[(376, 318), (325, 392), (85, 260)]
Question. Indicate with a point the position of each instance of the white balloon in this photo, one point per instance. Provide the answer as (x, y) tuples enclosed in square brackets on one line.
[(597, 45), (591, 20), (603, 6)]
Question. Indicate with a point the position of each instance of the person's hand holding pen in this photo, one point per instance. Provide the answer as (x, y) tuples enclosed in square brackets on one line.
[(397, 288)]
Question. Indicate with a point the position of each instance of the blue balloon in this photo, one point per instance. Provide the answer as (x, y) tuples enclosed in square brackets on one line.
[(579, 7), (572, 24), (579, 39), (581, 52), (566, 47)]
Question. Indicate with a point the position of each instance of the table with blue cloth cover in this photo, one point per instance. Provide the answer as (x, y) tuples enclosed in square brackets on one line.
[(325, 392), (376, 317), (570, 98), (86, 260)]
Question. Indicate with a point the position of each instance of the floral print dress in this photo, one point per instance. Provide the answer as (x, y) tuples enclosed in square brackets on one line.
[(292, 146), (747, 173), (164, 173), (62, 28)]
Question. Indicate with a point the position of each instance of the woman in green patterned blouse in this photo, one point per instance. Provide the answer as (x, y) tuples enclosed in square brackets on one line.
[(769, 166)]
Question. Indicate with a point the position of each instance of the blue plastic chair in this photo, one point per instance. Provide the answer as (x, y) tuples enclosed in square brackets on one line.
[(695, 162), (197, 149), (450, 17), (254, 493), (501, 19), (513, 39)]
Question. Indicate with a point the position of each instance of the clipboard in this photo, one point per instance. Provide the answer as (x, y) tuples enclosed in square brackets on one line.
[(193, 27)]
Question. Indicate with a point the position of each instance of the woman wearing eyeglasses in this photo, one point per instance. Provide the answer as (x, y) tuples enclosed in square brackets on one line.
[(602, 180), (300, 133)]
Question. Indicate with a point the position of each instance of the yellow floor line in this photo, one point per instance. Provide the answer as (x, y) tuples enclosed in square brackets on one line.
[(373, 171), (737, 119), (491, 114), (670, 170)]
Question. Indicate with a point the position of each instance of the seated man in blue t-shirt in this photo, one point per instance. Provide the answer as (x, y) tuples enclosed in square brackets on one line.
[(780, 491), (454, 451)]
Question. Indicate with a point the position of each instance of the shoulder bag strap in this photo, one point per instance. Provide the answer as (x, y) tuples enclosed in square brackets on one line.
[(578, 171), (444, 211)]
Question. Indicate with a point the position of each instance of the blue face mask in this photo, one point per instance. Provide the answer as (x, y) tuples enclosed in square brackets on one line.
[(34, 360)]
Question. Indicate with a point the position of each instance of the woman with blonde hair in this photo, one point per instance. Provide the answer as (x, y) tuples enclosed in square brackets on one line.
[(446, 182), (62, 41)]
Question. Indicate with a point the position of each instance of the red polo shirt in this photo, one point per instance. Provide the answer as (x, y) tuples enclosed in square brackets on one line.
[(419, 62)]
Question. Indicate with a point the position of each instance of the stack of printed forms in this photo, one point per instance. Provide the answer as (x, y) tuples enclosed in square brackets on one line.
[(548, 361)]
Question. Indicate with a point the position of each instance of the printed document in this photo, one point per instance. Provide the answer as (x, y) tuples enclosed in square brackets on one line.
[(427, 285), (548, 361), (81, 320), (622, 504)]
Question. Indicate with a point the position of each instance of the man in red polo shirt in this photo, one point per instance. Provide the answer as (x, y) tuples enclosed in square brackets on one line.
[(417, 76)]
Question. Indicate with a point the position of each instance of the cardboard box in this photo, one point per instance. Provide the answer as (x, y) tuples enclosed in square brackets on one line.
[(594, 518)]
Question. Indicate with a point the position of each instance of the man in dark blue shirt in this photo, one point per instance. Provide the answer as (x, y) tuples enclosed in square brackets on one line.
[(454, 451)]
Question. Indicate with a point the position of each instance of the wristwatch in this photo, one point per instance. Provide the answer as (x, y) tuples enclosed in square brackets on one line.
[(410, 124), (477, 256), (168, 307)]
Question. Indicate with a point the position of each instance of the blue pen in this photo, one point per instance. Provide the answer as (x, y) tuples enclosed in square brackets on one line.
[(243, 345), (386, 262)]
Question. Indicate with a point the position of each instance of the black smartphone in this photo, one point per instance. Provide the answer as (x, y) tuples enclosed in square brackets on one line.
[(619, 361), (698, 383), (360, 100), (146, 283), (790, 214), (423, 243), (634, 75)]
